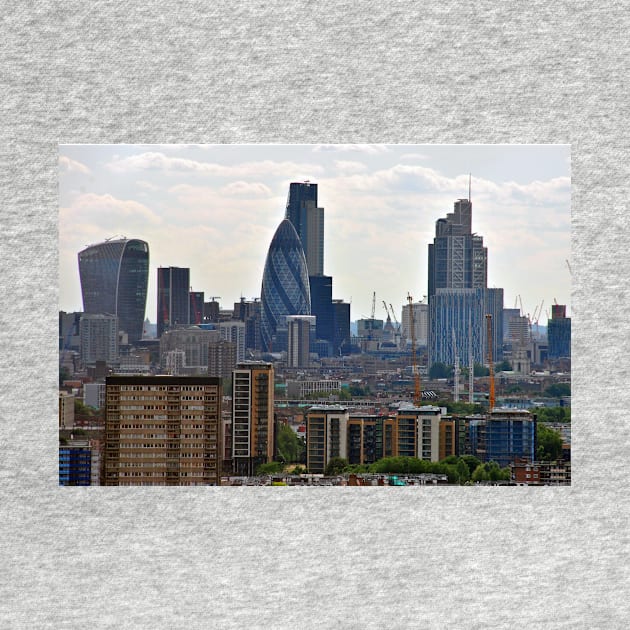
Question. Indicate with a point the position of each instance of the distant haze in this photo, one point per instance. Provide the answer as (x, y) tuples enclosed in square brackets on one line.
[(215, 208)]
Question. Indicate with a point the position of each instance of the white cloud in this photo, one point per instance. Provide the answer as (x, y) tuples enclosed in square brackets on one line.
[(245, 189), (107, 209), (157, 161), (68, 165), (350, 167)]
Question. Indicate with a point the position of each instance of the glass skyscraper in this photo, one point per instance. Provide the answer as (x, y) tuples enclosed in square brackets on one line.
[(114, 277), (458, 292), (308, 221), (173, 298), (285, 285)]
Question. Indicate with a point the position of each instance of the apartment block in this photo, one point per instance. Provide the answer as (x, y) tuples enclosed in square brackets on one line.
[(162, 430), (252, 416)]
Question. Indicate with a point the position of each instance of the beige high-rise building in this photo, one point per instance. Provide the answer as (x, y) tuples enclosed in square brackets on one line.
[(162, 430), (252, 416)]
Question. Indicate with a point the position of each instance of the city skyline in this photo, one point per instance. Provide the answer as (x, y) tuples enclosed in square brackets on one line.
[(215, 208)]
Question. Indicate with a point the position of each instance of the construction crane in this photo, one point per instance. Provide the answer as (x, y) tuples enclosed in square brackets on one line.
[(490, 362), (456, 369), (417, 392), (391, 308)]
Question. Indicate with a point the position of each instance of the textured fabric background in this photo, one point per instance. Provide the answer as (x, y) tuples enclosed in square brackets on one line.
[(230, 72)]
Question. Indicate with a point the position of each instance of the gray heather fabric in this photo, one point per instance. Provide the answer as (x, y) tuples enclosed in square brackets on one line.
[(261, 72)]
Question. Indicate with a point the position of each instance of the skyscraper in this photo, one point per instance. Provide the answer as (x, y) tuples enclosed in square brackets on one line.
[(114, 278), (173, 299), (308, 221), (458, 295), (299, 340), (285, 286), (559, 332), (457, 257)]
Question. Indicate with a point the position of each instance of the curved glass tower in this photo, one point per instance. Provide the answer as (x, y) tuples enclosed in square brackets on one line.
[(285, 287), (114, 278)]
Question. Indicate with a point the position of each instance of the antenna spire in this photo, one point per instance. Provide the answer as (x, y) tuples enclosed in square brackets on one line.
[(469, 187)]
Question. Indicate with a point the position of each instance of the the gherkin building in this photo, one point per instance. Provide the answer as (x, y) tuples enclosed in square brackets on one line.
[(285, 287)]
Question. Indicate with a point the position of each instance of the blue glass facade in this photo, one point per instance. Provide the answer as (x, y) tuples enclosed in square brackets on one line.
[(114, 278), (463, 311), (75, 466), (503, 437), (285, 285), (559, 337)]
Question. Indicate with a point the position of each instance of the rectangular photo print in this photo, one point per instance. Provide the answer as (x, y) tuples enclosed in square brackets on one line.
[(308, 315)]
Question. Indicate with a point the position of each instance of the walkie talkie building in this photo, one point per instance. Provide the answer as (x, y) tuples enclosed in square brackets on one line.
[(285, 285), (114, 279)]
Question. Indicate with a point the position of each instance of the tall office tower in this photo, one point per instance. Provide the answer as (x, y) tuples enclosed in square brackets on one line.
[(252, 416), (162, 430), (114, 278), (308, 221), (458, 280), (196, 307), (559, 333), (299, 340), (99, 338), (341, 326), (234, 331), (457, 257), (322, 307), (285, 286), (173, 300), (221, 358)]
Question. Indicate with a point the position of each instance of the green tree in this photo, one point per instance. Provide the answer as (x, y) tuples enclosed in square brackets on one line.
[(503, 366), (288, 444), (479, 474), (463, 472), (83, 410), (558, 390), (440, 370), (472, 462), (269, 468), (549, 443), (553, 414), (481, 370), (336, 465)]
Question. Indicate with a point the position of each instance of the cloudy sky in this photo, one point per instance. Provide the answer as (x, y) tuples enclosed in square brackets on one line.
[(215, 208)]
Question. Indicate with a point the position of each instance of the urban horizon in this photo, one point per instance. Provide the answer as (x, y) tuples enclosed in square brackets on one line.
[(409, 190)]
